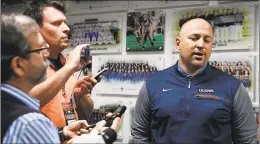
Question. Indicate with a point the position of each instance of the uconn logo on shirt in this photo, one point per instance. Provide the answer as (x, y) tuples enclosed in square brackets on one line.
[(206, 90)]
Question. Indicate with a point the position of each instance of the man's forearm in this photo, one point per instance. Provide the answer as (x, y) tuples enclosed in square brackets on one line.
[(48, 89)]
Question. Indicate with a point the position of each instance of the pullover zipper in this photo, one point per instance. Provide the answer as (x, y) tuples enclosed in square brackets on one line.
[(188, 98), (189, 77)]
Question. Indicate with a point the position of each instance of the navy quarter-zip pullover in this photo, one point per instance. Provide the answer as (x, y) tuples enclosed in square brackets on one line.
[(208, 108)]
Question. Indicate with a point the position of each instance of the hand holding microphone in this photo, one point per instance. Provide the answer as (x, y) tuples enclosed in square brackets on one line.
[(118, 113), (111, 117), (101, 133), (110, 126), (84, 84)]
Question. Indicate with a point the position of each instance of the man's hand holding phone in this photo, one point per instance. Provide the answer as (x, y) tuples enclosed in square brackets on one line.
[(86, 83)]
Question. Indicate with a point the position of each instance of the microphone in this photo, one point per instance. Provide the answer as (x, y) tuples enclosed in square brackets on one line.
[(109, 121), (110, 107), (109, 135), (118, 113)]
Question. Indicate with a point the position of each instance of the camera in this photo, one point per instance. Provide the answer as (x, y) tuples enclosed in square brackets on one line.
[(85, 54)]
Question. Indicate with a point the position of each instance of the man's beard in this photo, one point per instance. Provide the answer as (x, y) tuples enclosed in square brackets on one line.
[(42, 77)]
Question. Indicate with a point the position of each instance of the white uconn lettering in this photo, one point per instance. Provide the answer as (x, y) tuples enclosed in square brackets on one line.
[(206, 90)]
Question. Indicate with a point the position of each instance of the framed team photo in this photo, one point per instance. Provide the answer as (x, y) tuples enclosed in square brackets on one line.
[(145, 31), (166, 3), (233, 25), (93, 6), (125, 74), (103, 32), (241, 67)]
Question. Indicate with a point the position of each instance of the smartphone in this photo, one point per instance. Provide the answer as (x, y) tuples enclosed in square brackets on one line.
[(100, 73)]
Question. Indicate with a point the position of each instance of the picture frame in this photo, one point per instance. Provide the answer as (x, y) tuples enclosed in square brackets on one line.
[(126, 74)]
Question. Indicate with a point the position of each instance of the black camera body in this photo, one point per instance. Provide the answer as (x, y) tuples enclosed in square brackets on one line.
[(85, 54)]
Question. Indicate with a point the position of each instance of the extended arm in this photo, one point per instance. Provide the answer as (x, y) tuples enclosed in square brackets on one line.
[(48, 89)]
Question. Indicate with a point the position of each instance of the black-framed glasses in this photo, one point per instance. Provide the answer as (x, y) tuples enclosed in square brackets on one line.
[(37, 50), (43, 49)]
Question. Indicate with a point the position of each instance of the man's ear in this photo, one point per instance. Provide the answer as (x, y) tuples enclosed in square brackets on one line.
[(17, 65), (178, 42)]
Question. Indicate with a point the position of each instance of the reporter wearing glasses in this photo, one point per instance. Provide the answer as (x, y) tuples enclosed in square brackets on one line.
[(24, 63)]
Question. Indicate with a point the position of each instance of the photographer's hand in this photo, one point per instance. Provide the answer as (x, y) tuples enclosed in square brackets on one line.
[(75, 61), (116, 122), (84, 85), (72, 129)]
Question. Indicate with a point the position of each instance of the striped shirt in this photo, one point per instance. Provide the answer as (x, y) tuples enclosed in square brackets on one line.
[(31, 127)]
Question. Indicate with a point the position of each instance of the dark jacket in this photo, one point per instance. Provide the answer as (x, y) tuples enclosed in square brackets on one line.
[(209, 108)]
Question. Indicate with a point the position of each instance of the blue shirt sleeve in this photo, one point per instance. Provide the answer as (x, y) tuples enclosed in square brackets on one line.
[(32, 128)]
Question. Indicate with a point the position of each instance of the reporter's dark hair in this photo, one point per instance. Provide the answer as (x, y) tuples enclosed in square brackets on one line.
[(35, 9), (14, 32)]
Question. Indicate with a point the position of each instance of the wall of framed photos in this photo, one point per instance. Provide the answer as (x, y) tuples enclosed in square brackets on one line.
[(117, 32), (235, 50), (134, 49)]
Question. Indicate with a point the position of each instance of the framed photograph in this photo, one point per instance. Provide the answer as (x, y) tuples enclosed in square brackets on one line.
[(126, 74), (233, 25), (103, 32), (145, 31), (241, 67), (166, 3), (93, 7)]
